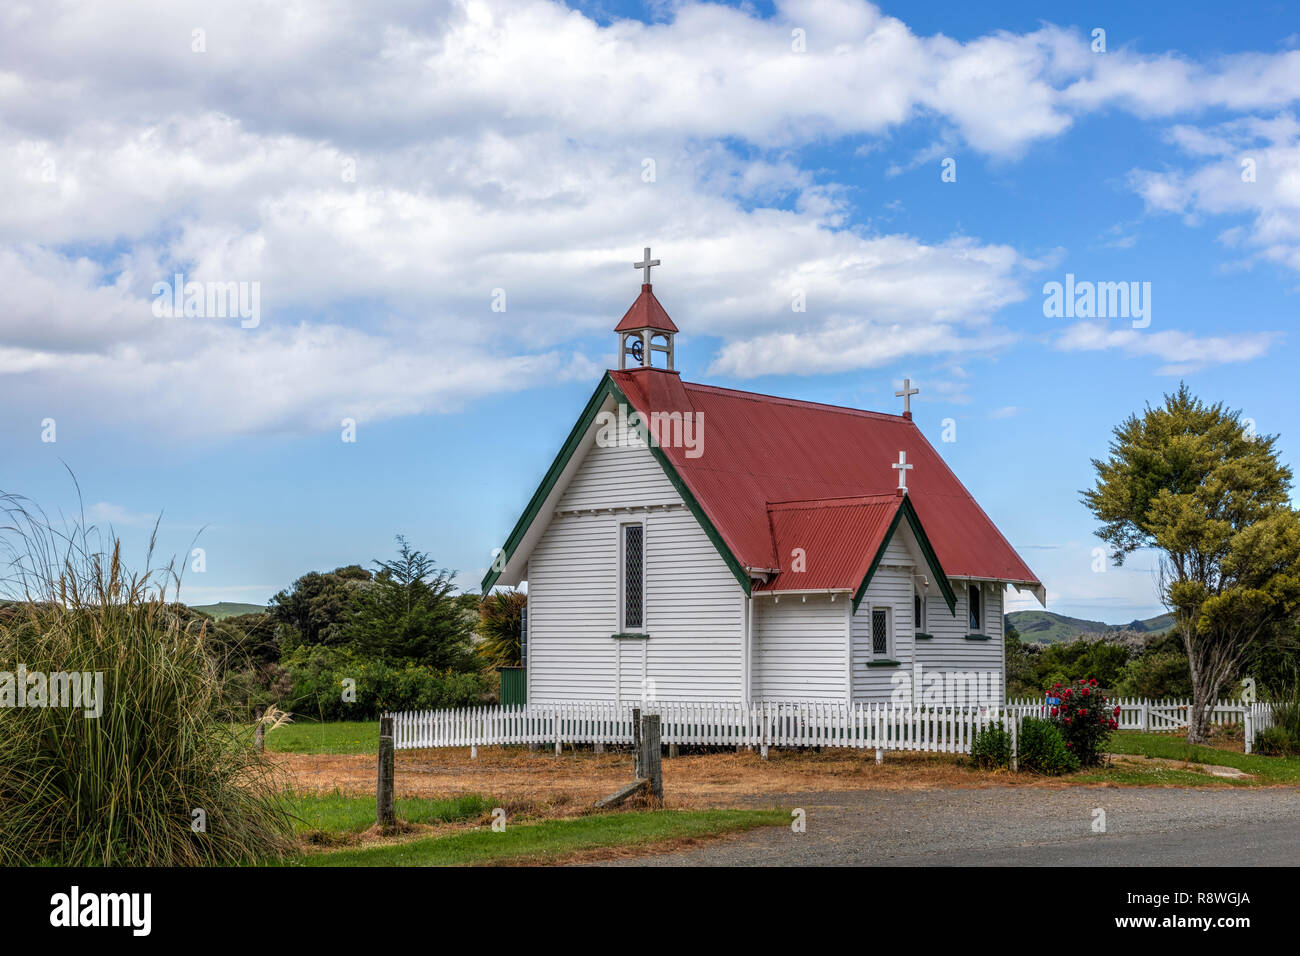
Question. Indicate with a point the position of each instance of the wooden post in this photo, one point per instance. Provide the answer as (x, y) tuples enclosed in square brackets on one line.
[(880, 755), (636, 743), (386, 815), (1014, 718), (650, 759), (558, 745), (672, 750), (259, 738)]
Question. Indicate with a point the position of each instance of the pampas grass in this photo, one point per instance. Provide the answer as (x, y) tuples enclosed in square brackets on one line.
[(121, 789)]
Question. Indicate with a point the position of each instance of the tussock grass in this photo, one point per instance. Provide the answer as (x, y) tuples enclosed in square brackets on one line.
[(121, 789)]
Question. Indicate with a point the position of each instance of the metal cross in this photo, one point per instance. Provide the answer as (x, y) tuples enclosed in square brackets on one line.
[(906, 394), (903, 467), (647, 263)]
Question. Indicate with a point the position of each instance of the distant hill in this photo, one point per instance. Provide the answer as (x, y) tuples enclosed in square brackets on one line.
[(228, 609), (1051, 628)]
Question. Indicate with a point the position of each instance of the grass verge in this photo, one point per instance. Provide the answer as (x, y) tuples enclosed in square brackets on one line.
[(338, 737), (339, 813), (552, 840), (1266, 769)]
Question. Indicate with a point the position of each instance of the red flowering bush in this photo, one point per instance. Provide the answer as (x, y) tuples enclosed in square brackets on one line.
[(1085, 718)]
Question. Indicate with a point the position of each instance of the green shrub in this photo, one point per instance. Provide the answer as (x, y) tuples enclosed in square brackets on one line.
[(991, 747), (119, 788), (1085, 719), (318, 675), (1042, 749), (1274, 742)]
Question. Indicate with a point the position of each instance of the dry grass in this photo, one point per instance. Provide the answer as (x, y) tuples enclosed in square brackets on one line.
[(571, 783)]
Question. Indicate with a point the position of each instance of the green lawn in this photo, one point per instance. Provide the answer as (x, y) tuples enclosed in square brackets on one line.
[(1267, 769), (1157, 775), (341, 737), (338, 813), (550, 839)]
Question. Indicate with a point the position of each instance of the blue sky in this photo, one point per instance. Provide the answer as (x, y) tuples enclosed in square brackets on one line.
[(380, 169)]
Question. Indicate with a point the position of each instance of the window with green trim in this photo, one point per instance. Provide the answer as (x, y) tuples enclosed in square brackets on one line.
[(633, 603), (880, 631), (918, 612)]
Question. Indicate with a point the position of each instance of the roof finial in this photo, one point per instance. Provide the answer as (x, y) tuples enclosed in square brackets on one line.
[(647, 264), (906, 394), (903, 468)]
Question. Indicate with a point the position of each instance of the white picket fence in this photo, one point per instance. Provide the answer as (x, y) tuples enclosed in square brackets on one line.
[(1169, 716), (771, 723)]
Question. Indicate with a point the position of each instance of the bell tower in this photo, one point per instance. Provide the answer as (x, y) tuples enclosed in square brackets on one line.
[(646, 328)]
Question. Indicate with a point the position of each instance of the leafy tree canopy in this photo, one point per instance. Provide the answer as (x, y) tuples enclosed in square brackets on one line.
[(318, 605), (1193, 482), (409, 613)]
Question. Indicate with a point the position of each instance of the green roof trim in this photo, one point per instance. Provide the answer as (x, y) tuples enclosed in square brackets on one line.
[(607, 389), (927, 550)]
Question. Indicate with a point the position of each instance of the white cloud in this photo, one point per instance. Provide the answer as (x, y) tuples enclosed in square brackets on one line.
[(500, 144), (1248, 167), (1183, 352)]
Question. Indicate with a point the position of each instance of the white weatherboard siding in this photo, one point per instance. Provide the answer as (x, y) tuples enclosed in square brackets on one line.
[(693, 613), (693, 610), (891, 587), (949, 651), (800, 647)]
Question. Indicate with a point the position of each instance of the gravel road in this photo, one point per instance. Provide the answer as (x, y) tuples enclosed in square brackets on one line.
[(1019, 826)]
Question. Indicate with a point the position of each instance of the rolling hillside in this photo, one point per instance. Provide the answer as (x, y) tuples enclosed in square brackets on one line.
[(1050, 628), (227, 609)]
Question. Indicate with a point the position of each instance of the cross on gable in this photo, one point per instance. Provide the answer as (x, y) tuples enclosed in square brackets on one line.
[(905, 394), (903, 468), (647, 264)]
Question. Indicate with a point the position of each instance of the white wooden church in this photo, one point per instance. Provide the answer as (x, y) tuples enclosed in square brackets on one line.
[(692, 542)]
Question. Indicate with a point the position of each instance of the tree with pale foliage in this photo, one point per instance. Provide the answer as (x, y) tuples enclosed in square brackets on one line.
[(1191, 481)]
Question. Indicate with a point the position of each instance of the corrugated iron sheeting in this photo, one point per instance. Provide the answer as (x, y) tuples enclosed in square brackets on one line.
[(759, 449)]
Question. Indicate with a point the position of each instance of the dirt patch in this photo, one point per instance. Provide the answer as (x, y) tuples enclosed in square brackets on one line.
[(572, 782)]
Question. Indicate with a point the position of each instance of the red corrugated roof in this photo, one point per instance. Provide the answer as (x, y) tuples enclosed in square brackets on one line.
[(759, 449), (646, 313), (839, 537)]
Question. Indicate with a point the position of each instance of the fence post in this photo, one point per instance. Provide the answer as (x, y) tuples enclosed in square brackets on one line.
[(385, 815), (763, 734), (558, 746), (1249, 721), (1015, 740), (636, 743), (259, 738), (650, 759)]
